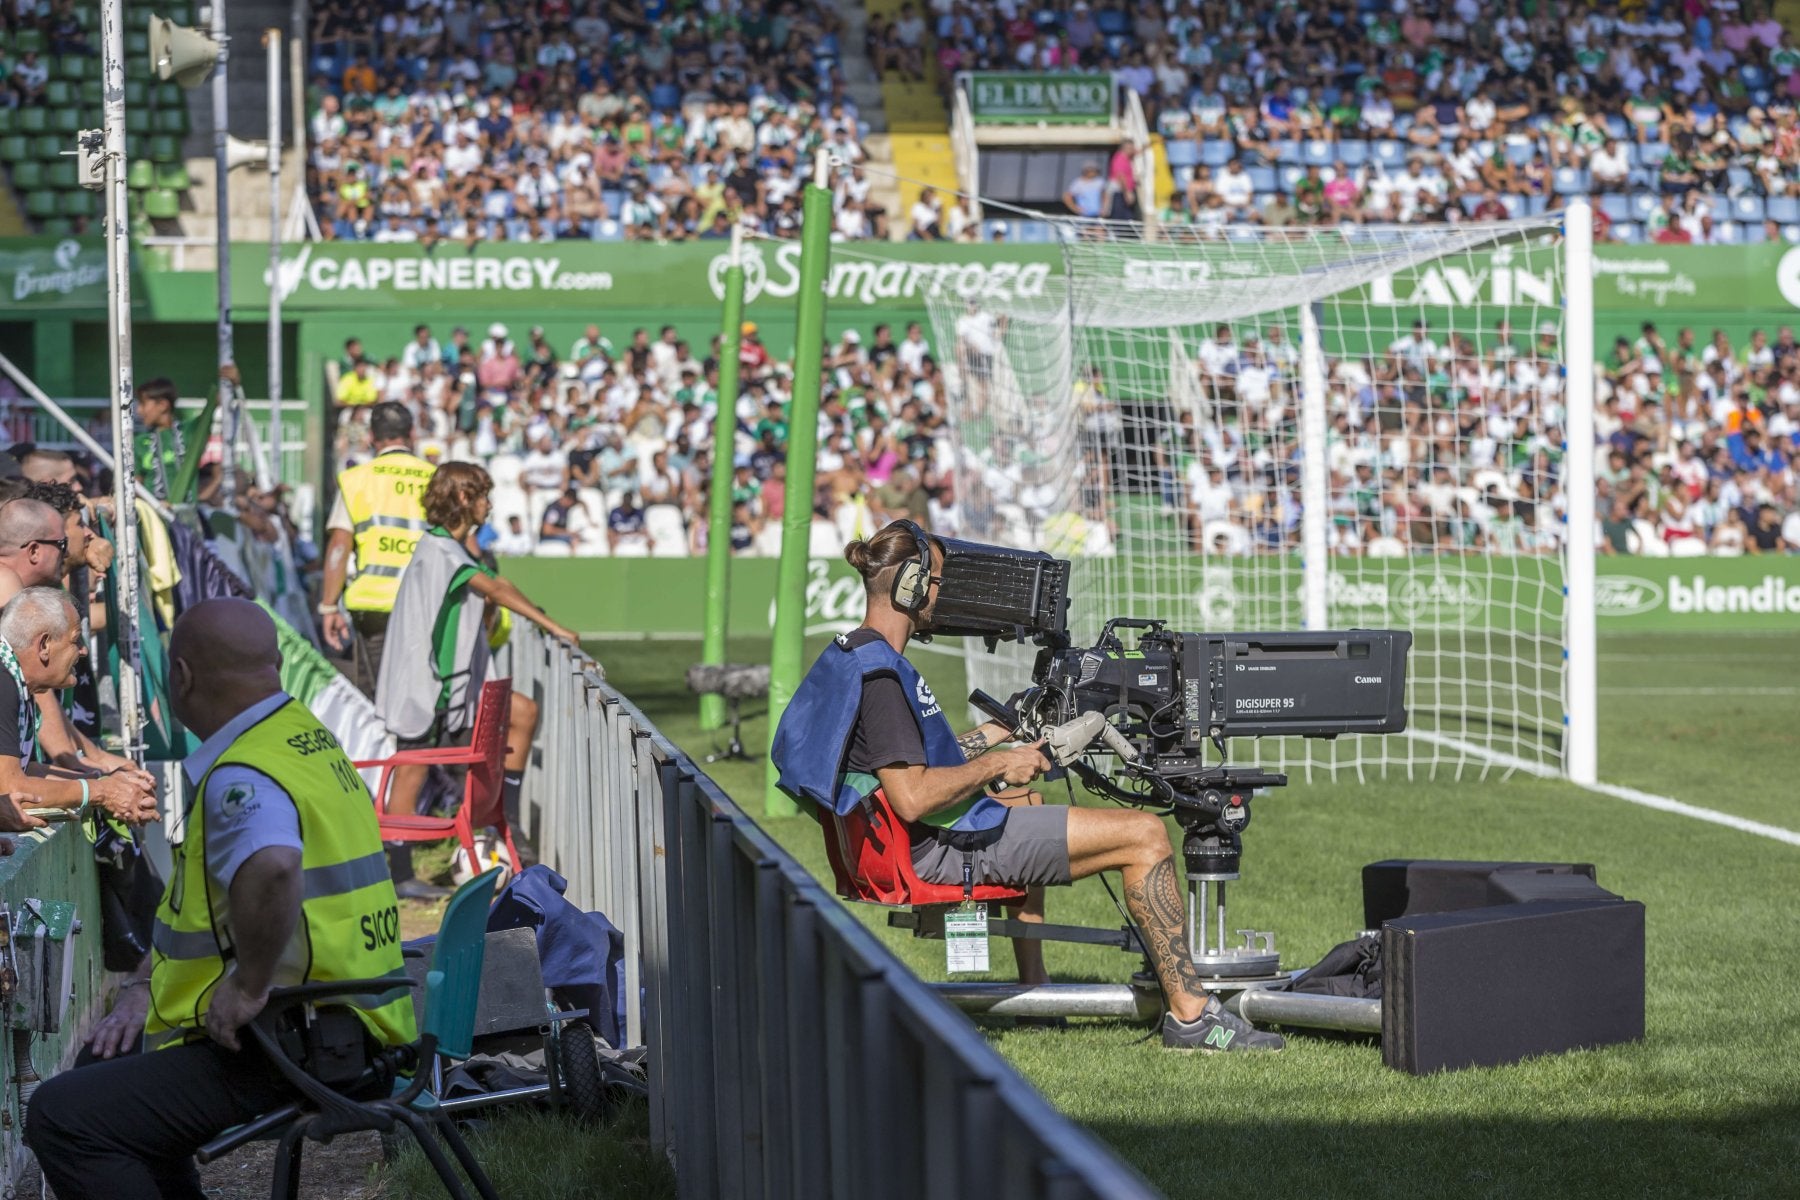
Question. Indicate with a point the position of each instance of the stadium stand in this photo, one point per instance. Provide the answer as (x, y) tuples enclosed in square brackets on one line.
[(50, 90), (551, 120)]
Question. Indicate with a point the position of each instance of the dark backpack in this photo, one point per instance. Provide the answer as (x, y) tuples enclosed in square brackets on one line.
[(1348, 969)]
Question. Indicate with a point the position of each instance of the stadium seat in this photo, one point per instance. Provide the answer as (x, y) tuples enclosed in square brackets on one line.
[(1569, 181), (75, 66), (15, 149), (27, 174), (1754, 235), (1784, 210), (140, 174), (1627, 232), (553, 550), (1747, 209), (58, 93), (35, 119), (40, 204), (1318, 153), (1263, 179), (137, 93), (668, 532), (1353, 153), (165, 149), (28, 40), (1388, 154), (93, 94), (172, 121), (1286, 152), (1217, 152), (1643, 204), (1182, 152), (1616, 207), (161, 204), (1739, 179), (1651, 154), (78, 203), (60, 174)]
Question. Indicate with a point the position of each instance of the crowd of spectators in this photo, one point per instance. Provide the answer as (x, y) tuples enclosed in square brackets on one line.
[(1456, 445), (606, 448), (1679, 116), (459, 122)]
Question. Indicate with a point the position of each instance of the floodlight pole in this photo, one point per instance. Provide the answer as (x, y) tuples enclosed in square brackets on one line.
[(1581, 699), (272, 43), (118, 290), (803, 444), (1315, 474), (718, 529)]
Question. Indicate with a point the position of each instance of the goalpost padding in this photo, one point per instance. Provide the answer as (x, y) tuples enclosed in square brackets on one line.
[(1084, 420)]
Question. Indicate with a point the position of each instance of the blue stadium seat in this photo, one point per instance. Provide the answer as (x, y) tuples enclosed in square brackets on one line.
[(1469, 201), (1183, 177), (1035, 233), (1651, 154), (1391, 155), (1754, 235), (990, 228), (1784, 210), (1739, 179), (1217, 152), (1112, 22), (1318, 152), (1515, 204), (608, 230), (1569, 181), (1730, 233), (614, 199), (1628, 232), (1182, 152), (1747, 209), (1285, 151), (1616, 207), (1619, 127), (1535, 206), (1262, 179), (1520, 152), (1643, 204), (1353, 153), (1290, 176)]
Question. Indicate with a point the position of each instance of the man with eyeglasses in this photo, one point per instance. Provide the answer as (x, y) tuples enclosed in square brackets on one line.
[(33, 541)]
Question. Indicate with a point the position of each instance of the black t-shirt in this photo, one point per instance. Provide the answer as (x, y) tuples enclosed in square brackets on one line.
[(9, 716), (886, 732)]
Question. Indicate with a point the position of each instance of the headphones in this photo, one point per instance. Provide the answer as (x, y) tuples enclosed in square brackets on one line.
[(912, 582)]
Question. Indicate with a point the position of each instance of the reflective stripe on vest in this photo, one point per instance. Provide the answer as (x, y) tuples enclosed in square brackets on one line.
[(349, 925), (385, 499)]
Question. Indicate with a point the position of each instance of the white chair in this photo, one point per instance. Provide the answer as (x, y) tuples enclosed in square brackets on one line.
[(508, 502), (592, 544), (826, 540), (1688, 547), (1649, 541), (668, 532), (1224, 537), (768, 542), (554, 550), (631, 548), (537, 502), (505, 469), (1385, 547)]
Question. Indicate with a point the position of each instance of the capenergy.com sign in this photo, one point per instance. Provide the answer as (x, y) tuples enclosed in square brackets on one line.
[(517, 273)]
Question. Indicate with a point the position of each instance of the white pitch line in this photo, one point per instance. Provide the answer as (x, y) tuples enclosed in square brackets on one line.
[(1617, 792), (1700, 691)]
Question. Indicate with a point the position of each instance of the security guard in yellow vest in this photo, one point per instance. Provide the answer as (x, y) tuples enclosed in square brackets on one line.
[(379, 516), (280, 880)]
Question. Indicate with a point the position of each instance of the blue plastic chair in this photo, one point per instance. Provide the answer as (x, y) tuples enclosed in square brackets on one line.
[(452, 986), (1747, 209), (1182, 152), (1784, 210), (1353, 153), (1617, 207), (1628, 232)]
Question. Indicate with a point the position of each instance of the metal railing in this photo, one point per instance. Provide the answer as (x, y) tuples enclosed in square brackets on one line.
[(790, 1053)]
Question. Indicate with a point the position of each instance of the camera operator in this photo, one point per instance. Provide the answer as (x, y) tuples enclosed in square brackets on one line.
[(899, 741)]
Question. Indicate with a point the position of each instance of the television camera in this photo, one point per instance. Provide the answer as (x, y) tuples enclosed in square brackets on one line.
[(1134, 723)]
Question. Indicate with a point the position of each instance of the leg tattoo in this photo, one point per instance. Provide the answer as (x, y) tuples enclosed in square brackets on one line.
[(1155, 903)]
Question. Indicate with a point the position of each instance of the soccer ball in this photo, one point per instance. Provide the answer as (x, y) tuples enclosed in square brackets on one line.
[(490, 850)]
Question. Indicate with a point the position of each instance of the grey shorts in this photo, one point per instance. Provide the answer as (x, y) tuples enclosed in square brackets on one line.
[(1032, 847)]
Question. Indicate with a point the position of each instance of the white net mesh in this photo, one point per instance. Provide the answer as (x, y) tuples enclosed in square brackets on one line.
[(1143, 417)]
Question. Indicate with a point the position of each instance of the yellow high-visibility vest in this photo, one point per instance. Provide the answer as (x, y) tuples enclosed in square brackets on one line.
[(349, 924), (385, 498)]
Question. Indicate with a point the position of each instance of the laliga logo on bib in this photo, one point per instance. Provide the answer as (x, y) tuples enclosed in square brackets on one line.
[(928, 705)]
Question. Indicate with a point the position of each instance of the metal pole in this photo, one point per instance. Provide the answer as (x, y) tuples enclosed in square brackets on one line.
[(718, 537), (118, 280), (272, 40), (803, 443), (297, 75), (1581, 749), (1315, 473), (61, 417), (221, 104)]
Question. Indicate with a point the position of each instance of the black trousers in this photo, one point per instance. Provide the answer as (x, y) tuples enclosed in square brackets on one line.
[(127, 1128), (360, 661)]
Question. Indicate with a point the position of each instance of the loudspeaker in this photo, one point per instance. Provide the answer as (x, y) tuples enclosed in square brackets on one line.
[(185, 55), (239, 153), (1400, 886), (1485, 986)]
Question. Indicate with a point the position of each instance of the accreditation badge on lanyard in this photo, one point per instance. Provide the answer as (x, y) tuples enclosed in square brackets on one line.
[(966, 931)]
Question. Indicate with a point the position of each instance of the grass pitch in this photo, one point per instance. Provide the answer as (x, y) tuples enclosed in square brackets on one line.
[(1708, 1105)]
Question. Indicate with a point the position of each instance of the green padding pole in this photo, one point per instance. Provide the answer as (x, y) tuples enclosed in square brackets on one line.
[(718, 525), (803, 443)]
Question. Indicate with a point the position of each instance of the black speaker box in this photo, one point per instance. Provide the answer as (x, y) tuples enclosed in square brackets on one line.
[(1491, 985), (1402, 886)]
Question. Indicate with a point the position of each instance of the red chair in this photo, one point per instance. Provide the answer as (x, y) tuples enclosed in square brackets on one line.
[(874, 842), (482, 802)]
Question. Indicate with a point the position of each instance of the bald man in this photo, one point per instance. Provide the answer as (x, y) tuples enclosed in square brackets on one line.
[(40, 642), (252, 906), (50, 466), (32, 545)]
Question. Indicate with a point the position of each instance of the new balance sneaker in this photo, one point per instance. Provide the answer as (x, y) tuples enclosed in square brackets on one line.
[(1216, 1030)]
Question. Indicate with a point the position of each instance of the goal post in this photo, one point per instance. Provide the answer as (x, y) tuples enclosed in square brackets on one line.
[(1322, 427)]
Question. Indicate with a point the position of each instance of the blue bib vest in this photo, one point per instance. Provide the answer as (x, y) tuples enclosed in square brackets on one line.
[(814, 735)]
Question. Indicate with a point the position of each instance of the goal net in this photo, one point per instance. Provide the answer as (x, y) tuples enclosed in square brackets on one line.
[(1254, 429)]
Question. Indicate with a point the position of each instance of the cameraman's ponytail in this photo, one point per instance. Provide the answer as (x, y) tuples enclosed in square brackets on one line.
[(874, 557)]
